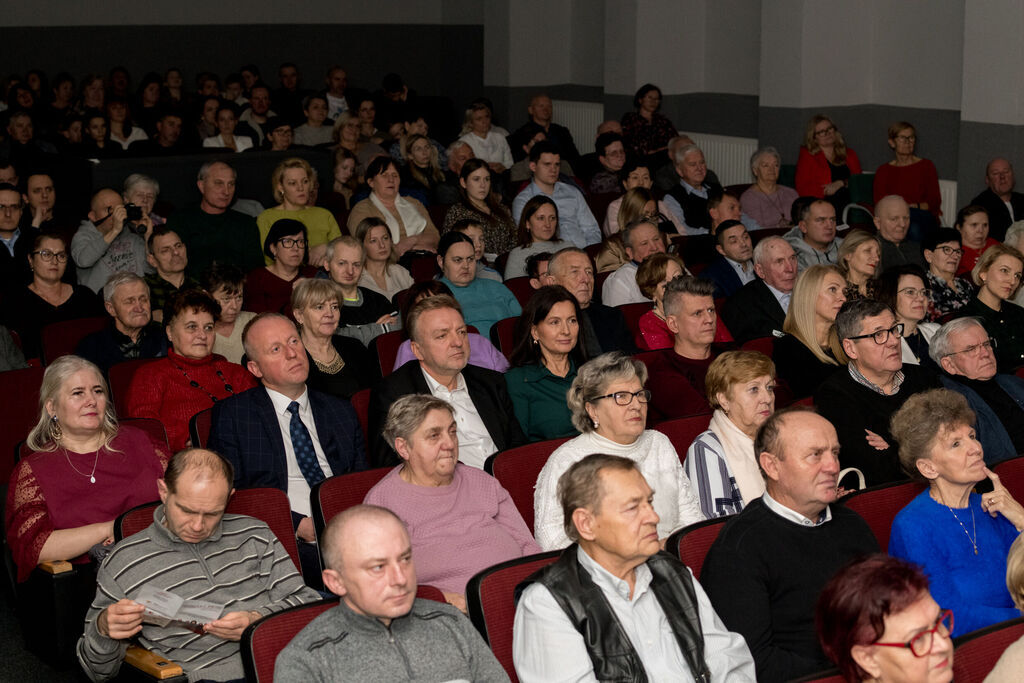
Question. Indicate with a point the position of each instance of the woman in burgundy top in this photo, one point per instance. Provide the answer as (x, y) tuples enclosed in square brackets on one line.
[(191, 378), (85, 470), (269, 288)]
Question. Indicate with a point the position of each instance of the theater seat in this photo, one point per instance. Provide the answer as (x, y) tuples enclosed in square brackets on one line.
[(120, 378), (60, 339), (975, 654), (682, 431), (691, 543), (18, 416), (199, 426), (361, 404), (879, 505), (521, 288), (517, 468), (387, 346), (829, 676), (503, 335), (336, 494), (1011, 473)]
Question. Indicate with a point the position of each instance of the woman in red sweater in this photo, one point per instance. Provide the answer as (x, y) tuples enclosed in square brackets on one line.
[(191, 378), (826, 164)]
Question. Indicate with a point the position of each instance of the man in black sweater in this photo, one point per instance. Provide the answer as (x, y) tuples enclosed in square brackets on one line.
[(768, 565), (861, 398)]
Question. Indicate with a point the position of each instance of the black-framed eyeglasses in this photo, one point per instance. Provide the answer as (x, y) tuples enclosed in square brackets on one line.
[(49, 256), (624, 398), (882, 336), (950, 251), (921, 644), (289, 242), (973, 348), (825, 131)]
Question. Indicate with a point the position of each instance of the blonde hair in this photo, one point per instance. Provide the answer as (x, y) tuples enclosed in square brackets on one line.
[(989, 256), (1015, 573), (278, 175), (632, 206), (45, 436), (735, 367), (313, 291), (434, 165), (850, 244), (800, 320), (811, 142)]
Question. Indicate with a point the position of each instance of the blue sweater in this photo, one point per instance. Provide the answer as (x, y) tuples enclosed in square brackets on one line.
[(973, 586), (484, 302)]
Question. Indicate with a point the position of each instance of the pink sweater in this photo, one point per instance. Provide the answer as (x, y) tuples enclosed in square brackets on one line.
[(458, 529)]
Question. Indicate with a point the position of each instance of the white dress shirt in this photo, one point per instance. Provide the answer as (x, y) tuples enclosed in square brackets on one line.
[(298, 488), (475, 442), (546, 647), (744, 276), (794, 516), (621, 288)]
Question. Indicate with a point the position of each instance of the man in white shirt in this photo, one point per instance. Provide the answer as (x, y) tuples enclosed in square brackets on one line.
[(483, 409), (613, 606), (641, 238), (688, 199), (576, 223)]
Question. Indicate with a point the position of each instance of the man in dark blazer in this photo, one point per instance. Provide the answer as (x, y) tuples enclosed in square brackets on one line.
[(735, 266), (260, 431), (483, 409), (1000, 181), (758, 308)]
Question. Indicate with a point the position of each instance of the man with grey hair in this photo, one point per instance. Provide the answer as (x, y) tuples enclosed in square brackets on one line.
[(213, 230), (613, 606), (861, 398), (1001, 203), (131, 333), (814, 236), (966, 354), (758, 308), (642, 238), (666, 177), (677, 373), (603, 328), (892, 218), (769, 563), (688, 198), (380, 630)]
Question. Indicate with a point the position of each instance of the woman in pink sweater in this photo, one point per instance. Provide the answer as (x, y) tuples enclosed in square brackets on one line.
[(460, 519)]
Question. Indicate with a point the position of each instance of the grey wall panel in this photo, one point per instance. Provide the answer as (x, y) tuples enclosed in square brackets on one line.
[(980, 143)]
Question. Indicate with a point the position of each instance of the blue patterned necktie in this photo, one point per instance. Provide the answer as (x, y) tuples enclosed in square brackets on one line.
[(302, 444)]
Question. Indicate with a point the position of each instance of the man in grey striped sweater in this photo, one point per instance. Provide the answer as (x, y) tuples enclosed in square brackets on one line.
[(196, 551)]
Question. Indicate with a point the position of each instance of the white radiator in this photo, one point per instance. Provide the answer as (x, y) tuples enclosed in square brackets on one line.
[(582, 120), (727, 156), (947, 189)]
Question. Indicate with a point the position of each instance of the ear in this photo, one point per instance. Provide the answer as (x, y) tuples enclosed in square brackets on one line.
[(403, 448), (672, 323), (161, 487), (864, 655), (850, 349), (334, 582), (199, 185), (109, 306), (927, 468), (533, 166), (440, 262), (583, 520), (50, 408), (928, 255), (948, 365), (629, 253), (759, 270), (416, 350), (723, 401), (770, 465), (718, 248), (591, 410), (150, 260), (802, 226), (254, 368), (877, 223)]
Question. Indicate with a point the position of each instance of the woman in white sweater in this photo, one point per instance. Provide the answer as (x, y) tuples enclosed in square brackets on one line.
[(609, 407)]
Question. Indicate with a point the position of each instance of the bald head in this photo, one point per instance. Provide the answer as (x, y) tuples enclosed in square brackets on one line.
[(892, 217), (345, 530), (102, 206), (197, 464), (610, 126)]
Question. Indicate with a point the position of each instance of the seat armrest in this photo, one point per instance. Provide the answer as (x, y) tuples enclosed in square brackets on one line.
[(55, 566), (151, 663)]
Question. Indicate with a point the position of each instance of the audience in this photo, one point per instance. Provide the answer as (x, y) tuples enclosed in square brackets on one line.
[(540, 112), (1000, 202), (475, 232), (483, 301), (226, 284), (487, 144), (609, 408), (892, 218), (109, 241), (814, 237), (17, 243), (480, 203), (641, 239), (576, 222), (364, 313), (826, 164), (407, 219), (687, 200), (644, 130), (652, 278), (972, 224), (635, 175), (317, 130), (422, 170), (132, 333), (967, 571), (903, 289), (721, 462), (167, 255), (911, 177), (734, 266), (1008, 666), (538, 232), (858, 259), (191, 378), (758, 308), (947, 291), (769, 563), (381, 272), (293, 181), (578, 601), (998, 276), (766, 202), (270, 288)]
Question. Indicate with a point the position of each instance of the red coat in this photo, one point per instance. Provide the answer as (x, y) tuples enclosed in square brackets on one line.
[(813, 173)]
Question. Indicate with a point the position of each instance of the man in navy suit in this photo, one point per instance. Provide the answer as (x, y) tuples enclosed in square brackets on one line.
[(282, 435), (758, 308), (735, 267)]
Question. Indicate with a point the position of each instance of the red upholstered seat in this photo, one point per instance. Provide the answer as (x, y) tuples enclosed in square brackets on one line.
[(878, 506), (683, 430), (765, 345), (199, 427), (632, 313), (691, 543), (517, 468), (830, 676), (1011, 473), (505, 330), (19, 415), (60, 339), (387, 345), (361, 404), (490, 598), (521, 287), (975, 654), (338, 493), (120, 377)]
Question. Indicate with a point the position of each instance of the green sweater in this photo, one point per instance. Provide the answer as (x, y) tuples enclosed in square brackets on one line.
[(538, 398)]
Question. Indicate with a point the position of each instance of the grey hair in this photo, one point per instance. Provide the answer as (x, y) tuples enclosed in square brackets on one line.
[(678, 286), (557, 258), (136, 179), (204, 170), (761, 248), (684, 150), (592, 379), (941, 345), (122, 278), (407, 413), (763, 151), (45, 436), (348, 241), (630, 228), (455, 145), (1014, 233), (852, 314)]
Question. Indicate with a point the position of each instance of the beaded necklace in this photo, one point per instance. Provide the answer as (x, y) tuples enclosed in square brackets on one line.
[(220, 375)]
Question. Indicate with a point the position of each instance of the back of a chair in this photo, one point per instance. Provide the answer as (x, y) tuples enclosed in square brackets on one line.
[(120, 376), (521, 288), (361, 404), (830, 676), (691, 543), (517, 469), (683, 430), (199, 426), (503, 335), (878, 505), (338, 493), (490, 599), (1011, 473), (599, 279), (271, 506), (60, 339), (133, 521), (632, 313), (152, 426), (765, 345), (387, 345), (20, 413), (975, 654), (264, 640)]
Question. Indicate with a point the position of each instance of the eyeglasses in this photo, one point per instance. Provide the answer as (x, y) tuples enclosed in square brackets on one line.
[(906, 138), (973, 348), (921, 644), (49, 256), (624, 398), (914, 293), (950, 251), (4, 208), (825, 131), (882, 336), (288, 243)]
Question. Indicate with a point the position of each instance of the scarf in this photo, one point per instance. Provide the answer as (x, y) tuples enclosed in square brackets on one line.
[(409, 221), (738, 449)]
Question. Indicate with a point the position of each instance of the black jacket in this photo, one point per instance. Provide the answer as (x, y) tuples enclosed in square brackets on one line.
[(752, 312)]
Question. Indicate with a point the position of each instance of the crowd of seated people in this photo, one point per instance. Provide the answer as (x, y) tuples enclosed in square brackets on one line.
[(273, 321)]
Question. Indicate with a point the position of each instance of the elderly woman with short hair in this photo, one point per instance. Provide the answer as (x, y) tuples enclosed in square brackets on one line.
[(942, 250), (958, 537), (721, 462), (609, 407), (142, 191), (460, 519), (767, 202)]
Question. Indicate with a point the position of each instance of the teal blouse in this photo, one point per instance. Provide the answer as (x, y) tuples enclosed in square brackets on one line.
[(538, 398), (484, 302)]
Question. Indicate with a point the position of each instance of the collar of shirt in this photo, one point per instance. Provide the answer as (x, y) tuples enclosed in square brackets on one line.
[(739, 268), (701, 191), (9, 243), (281, 403), (782, 297), (794, 516), (612, 584), (435, 386), (859, 378)]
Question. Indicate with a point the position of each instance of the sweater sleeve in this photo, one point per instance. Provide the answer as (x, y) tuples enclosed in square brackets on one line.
[(853, 161), (28, 519), (100, 656), (88, 246)]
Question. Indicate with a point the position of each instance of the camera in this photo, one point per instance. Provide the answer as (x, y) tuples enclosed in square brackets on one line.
[(133, 213)]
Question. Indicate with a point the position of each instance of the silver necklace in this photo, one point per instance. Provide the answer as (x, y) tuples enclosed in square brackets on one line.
[(92, 475), (973, 527)]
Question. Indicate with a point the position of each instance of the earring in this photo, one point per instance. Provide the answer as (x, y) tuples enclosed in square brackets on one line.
[(596, 423), (55, 429)]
